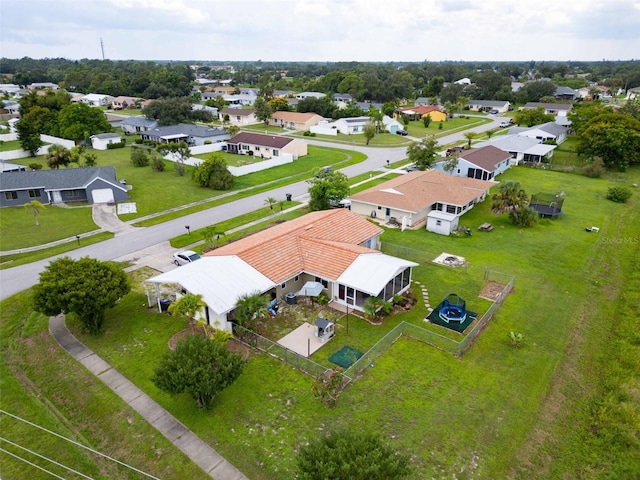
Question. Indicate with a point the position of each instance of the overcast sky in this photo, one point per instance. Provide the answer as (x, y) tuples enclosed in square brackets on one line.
[(322, 30)]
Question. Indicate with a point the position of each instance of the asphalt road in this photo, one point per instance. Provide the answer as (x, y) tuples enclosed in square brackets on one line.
[(13, 280)]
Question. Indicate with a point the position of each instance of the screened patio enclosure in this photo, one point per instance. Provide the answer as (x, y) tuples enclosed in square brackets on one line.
[(355, 297)]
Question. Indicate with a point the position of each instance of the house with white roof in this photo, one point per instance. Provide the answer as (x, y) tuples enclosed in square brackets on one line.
[(101, 140), (352, 125), (280, 260), (97, 100), (545, 132), (133, 125), (557, 109), (521, 148), (391, 125)]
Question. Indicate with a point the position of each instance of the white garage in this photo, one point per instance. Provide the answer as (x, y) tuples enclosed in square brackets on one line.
[(102, 195)]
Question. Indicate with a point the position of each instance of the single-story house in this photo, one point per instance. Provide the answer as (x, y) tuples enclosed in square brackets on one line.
[(557, 109), (194, 135), (633, 93), (114, 119), (463, 81), (430, 197), (91, 184), (280, 260), (124, 103), (212, 110), (295, 120), (266, 146), (101, 140), (212, 95), (282, 93), (566, 93), (303, 95), (417, 113), (342, 100), (391, 125), (77, 97), (243, 99), (352, 125), (43, 86), (250, 91), (365, 106), (97, 100), (10, 107), (239, 116), (483, 163), (546, 131), (521, 148), (422, 102), (487, 105), (133, 125)]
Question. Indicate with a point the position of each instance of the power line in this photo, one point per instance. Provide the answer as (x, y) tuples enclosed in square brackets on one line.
[(46, 458), (79, 444), (32, 464)]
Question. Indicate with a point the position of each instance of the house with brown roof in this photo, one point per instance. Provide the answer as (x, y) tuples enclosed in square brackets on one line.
[(295, 120), (483, 163), (266, 146), (417, 198), (239, 116), (335, 248), (124, 103)]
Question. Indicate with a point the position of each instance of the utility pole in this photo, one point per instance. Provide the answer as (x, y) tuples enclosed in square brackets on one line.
[(102, 47)]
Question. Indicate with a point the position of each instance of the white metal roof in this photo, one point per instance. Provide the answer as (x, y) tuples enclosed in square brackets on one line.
[(220, 280), (370, 272), (441, 215)]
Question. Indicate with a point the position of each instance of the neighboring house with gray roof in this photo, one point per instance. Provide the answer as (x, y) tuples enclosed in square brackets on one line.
[(101, 140), (422, 102), (557, 109), (342, 100), (91, 184), (501, 106), (193, 135), (546, 131), (566, 93), (521, 148), (480, 163), (133, 125), (303, 95), (365, 106)]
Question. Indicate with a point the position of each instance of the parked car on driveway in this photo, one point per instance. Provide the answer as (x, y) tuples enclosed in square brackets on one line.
[(494, 112), (454, 150), (504, 124), (412, 168), (403, 133), (185, 256)]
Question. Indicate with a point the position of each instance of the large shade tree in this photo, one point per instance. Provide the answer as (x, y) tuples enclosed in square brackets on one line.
[(423, 153), (327, 189), (86, 287), (78, 121)]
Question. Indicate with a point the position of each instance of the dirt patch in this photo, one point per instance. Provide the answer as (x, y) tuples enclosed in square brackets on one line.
[(492, 290), (232, 344)]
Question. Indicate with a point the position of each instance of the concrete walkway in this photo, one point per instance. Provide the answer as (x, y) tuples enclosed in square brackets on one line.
[(104, 216), (184, 439)]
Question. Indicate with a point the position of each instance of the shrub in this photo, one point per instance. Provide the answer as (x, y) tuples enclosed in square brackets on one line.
[(35, 166), (322, 299), (595, 168), (440, 126), (157, 163), (619, 194), (113, 146), (139, 157), (207, 142)]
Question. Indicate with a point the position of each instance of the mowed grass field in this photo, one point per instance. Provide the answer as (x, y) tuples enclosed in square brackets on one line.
[(561, 406)]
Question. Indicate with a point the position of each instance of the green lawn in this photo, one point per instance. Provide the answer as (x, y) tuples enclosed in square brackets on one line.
[(562, 406), (416, 128), (10, 145), (19, 229)]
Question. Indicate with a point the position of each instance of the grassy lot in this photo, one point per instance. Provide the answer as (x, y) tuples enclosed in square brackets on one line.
[(10, 145), (19, 229), (260, 128), (7, 261), (562, 406), (416, 128)]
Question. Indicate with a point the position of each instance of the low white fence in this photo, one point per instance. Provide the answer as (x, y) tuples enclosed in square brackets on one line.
[(323, 130), (16, 154), (283, 159)]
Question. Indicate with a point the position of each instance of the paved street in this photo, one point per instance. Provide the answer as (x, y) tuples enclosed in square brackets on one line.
[(13, 280)]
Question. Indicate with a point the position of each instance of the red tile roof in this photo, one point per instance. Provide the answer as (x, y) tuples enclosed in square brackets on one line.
[(320, 243)]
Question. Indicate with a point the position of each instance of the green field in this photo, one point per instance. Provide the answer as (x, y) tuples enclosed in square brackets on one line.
[(542, 411)]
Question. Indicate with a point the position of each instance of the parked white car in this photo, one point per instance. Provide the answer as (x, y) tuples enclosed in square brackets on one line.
[(184, 257)]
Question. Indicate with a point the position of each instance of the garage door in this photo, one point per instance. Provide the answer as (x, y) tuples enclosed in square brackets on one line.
[(102, 195)]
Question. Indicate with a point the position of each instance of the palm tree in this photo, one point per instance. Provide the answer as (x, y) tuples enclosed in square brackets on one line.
[(510, 198), (188, 306), (490, 133), (34, 207), (58, 155), (469, 136), (271, 202), (248, 307)]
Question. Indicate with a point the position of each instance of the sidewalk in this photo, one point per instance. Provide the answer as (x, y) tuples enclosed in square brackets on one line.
[(184, 439)]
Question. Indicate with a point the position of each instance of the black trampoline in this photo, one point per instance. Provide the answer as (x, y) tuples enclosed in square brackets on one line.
[(546, 204)]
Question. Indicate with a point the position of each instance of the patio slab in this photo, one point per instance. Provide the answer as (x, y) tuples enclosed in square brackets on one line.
[(302, 340)]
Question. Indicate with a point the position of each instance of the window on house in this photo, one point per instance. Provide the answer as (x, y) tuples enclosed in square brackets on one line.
[(34, 194), (324, 282), (283, 285), (73, 193), (451, 209), (276, 152), (11, 195), (296, 278)]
